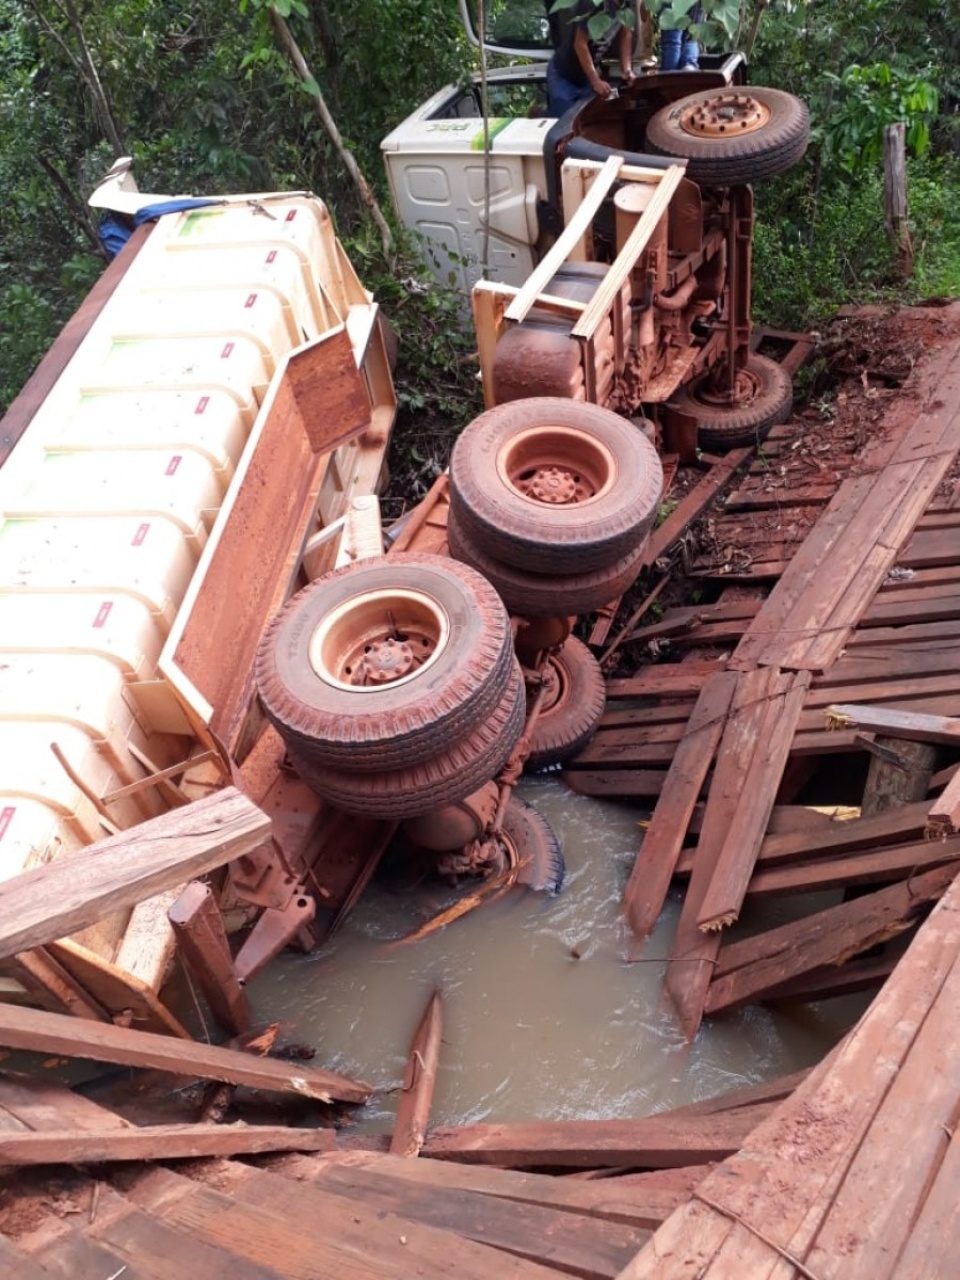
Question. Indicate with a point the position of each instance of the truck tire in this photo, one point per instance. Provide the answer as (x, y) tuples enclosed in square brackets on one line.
[(554, 486), (767, 399), (386, 662), (734, 135), (451, 775), (573, 705), (536, 847), (538, 595)]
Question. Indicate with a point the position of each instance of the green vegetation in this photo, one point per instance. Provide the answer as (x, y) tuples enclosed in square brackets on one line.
[(204, 99)]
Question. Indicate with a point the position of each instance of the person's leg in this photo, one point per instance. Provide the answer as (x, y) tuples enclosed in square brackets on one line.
[(561, 93), (690, 52), (670, 46), (671, 42), (689, 59)]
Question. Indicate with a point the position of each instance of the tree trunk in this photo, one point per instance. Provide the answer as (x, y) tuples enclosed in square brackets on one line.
[(895, 196), (297, 60)]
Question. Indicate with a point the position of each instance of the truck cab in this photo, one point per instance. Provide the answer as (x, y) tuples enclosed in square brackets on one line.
[(492, 193)]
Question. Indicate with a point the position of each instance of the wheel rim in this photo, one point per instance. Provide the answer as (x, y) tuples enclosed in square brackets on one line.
[(725, 115), (553, 466), (747, 386), (377, 639), (557, 690)]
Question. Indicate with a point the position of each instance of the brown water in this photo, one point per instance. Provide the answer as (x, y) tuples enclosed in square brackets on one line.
[(530, 1032)]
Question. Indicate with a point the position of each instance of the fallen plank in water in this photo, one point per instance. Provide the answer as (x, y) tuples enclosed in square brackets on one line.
[(157, 1142), (413, 1109), (69, 894), (56, 1033)]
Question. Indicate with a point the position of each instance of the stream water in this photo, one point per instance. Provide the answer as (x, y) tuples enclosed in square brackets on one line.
[(530, 1030)]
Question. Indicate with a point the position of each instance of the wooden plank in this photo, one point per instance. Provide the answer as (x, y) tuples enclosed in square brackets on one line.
[(934, 1243), (875, 532), (767, 628), (48, 985), (413, 1109), (202, 942), (656, 1142), (625, 261), (769, 1202), (17, 1265), (910, 725), (747, 969), (127, 999), (33, 1029), (693, 953), (69, 894), (157, 1142), (880, 1198), (776, 721), (566, 242), (42, 1105), (943, 818), (929, 548), (675, 680), (145, 1247), (653, 869), (877, 866), (578, 1244), (693, 504), (640, 1204), (265, 1218)]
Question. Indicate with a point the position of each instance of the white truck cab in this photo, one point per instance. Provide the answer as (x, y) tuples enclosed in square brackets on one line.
[(494, 204)]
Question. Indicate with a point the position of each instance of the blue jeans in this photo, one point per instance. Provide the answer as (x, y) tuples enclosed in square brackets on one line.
[(678, 50), (563, 94)]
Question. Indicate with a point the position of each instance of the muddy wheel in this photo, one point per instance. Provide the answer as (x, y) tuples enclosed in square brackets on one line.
[(554, 486), (572, 707), (765, 397), (535, 846), (536, 595), (452, 775), (732, 135), (386, 662)]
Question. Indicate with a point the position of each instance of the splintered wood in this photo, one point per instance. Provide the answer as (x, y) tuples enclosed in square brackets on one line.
[(856, 1173), (856, 649)]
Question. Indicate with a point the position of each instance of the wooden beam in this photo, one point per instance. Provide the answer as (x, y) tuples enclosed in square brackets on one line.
[(944, 817), (656, 1142), (69, 894), (202, 943), (662, 843), (413, 1109), (913, 726), (748, 969), (567, 241), (55, 1033), (776, 724), (157, 1142)]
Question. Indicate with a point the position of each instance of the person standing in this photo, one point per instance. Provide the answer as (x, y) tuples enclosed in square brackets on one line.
[(679, 50), (573, 71)]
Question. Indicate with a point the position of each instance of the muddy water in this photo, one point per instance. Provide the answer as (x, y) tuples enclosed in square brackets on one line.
[(530, 1031)]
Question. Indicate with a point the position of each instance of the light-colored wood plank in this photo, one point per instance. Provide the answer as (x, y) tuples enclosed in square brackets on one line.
[(568, 240), (595, 314), (68, 894)]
